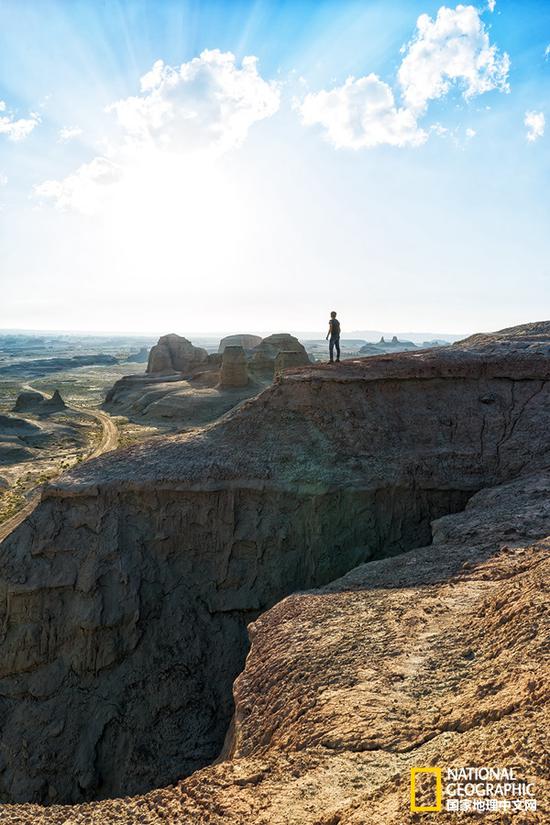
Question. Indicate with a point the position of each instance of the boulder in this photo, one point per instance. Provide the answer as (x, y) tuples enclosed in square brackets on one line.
[(245, 341), (173, 353), (234, 371)]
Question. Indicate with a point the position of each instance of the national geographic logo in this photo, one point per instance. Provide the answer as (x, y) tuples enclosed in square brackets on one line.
[(470, 790)]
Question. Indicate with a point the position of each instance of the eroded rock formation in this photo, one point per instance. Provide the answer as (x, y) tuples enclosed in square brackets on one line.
[(125, 597), (234, 371), (28, 401), (264, 355), (53, 404), (247, 342), (434, 658), (173, 353), (38, 403), (186, 385)]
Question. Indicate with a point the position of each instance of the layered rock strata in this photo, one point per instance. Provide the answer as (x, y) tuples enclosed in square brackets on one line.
[(125, 597), (173, 353), (434, 658)]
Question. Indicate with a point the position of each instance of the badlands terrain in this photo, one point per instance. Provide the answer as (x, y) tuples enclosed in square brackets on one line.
[(272, 618)]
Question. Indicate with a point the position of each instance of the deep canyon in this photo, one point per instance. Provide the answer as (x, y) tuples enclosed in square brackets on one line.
[(125, 597)]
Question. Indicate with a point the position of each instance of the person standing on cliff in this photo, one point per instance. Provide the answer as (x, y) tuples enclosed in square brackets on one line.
[(333, 338)]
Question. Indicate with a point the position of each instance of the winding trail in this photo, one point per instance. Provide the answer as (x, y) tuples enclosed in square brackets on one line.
[(107, 442)]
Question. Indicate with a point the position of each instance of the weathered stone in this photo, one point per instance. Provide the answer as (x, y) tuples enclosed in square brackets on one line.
[(234, 371), (247, 342), (173, 353), (264, 355)]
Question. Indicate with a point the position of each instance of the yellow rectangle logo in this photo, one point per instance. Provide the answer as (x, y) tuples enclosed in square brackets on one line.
[(438, 790)]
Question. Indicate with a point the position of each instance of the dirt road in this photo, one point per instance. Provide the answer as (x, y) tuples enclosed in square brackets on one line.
[(107, 442)]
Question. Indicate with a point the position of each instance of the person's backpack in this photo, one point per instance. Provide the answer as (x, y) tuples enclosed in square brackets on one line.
[(334, 328)]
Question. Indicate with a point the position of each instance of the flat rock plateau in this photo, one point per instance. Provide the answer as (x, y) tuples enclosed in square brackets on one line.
[(272, 619)]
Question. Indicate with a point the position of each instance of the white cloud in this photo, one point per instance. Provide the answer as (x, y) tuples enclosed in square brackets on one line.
[(547, 52), (3, 179), (68, 133), (361, 113), (452, 49), (200, 109), (16, 129), (80, 191), (491, 5), (208, 101), (470, 133), (535, 122)]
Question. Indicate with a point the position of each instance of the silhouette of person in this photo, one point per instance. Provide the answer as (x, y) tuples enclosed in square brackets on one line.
[(333, 338)]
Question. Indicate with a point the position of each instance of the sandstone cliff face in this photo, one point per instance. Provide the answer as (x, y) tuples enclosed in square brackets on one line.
[(173, 353), (433, 658), (126, 595)]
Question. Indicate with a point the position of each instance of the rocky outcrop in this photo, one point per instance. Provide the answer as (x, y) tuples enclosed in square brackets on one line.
[(28, 401), (264, 355), (124, 598), (53, 404), (176, 401), (187, 385), (527, 338), (173, 353), (139, 357), (247, 342), (395, 345), (234, 372), (38, 403)]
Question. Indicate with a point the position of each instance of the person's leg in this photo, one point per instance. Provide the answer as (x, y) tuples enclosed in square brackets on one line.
[(337, 344), (331, 349)]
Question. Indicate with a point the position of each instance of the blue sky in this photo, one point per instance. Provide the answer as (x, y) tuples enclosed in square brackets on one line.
[(229, 197)]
